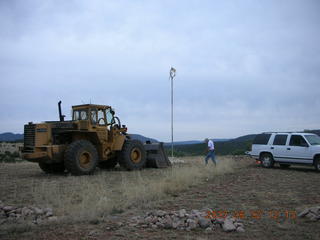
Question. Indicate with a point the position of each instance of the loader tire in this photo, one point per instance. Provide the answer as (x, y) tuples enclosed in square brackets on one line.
[(52, 168), (133, 155), (109, 164), (81, 158)]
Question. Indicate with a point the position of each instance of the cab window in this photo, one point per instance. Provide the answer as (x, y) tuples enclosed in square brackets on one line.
[(94, 116), (80, 115), (297, 140), (109, 116), (101, 119)]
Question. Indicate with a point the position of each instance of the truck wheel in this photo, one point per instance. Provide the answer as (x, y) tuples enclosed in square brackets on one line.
[(81, 157), (266, 160), (317, 164), (109, 164), (133, 155), (52, 168)]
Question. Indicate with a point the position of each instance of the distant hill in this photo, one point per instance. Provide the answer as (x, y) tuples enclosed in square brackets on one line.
[(236, 146), (10, 137), (249, 137), (222, 148), (142, 138), (190, 142)]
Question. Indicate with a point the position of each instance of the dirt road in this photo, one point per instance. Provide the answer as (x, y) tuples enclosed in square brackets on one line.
[(267, 201)]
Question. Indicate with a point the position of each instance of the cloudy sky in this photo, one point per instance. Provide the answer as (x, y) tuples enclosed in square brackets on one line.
[(243, 66)]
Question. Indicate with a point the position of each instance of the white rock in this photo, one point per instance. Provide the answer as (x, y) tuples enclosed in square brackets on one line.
[(52, 218), (160, 213), (93, 233), (148, 219), (11, 212), (26, 211), (176, 224), (191, 224), (195, 213), (204, 222), (38, 211), (315, 210), (160, 225), (238, 224), (38, 221), (154, 220), (135, 219), (182, 213), (49, 214), (167, 222), (228, 225), (232, 219), (18, 210), (8, 208), (303, 213), (312, 216), (240, 229), (46, 210)]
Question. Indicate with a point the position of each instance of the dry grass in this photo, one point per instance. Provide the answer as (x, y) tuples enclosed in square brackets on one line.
[(91, 197)]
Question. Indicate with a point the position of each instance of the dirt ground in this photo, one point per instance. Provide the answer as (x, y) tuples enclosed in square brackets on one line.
[(267, 200)]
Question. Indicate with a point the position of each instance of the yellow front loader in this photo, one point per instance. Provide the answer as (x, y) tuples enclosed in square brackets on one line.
[(93, 138)]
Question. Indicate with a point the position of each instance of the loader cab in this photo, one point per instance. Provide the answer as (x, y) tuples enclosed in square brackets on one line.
[(93, 116)]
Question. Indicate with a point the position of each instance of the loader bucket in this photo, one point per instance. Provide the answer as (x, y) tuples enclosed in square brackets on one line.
[(156, 157)]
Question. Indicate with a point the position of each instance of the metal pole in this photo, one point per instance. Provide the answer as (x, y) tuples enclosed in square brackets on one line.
[(172, 117), (172, 75)]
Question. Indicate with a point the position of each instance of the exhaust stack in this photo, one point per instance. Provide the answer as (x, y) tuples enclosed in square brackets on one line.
[(61, 117)]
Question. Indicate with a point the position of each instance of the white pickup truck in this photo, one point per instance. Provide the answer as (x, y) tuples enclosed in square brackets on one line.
[(286, 148)]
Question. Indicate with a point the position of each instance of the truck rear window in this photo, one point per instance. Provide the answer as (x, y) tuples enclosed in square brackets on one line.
[(262, 138)]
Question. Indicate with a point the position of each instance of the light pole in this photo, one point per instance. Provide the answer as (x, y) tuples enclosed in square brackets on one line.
[(172, 75)]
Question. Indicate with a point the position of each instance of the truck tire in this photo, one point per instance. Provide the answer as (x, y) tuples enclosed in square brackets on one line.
[(81, 158), (109, 164), (52, 168), (133, 155), (266, 160), (317, 163)]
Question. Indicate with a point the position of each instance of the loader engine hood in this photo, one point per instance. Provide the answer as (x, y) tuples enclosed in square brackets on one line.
[(39, 134)]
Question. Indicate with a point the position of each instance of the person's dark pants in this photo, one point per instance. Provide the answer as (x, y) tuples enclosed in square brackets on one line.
[(212, 156)]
